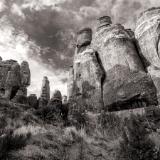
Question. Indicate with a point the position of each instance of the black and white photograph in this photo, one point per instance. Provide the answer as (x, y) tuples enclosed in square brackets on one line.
[(79, 79)]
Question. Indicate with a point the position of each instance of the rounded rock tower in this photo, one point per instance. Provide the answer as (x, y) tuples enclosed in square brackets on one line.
[(147, 33), (86, 73), (125, 79)]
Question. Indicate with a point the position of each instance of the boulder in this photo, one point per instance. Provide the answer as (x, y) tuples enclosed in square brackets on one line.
[(126, 81), (147, 33)]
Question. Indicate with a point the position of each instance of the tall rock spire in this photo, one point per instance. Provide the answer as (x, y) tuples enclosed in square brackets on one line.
[(25, 74), (86, 74), (45, 92)]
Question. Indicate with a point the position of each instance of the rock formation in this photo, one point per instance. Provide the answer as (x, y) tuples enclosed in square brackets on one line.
[(70, 83), (20, 97), (126, 81), (12, 78), (25, 76), (87, 72), (147, 33), (110, 70), (55, 102), (45, 93), (56, 98)]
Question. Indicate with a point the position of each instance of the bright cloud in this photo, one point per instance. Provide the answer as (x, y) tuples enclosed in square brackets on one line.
[(18, 47)]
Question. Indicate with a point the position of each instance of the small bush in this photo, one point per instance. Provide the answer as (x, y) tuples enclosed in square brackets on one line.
[(51, 115), (10, 142), (110, 124), (136, 144)]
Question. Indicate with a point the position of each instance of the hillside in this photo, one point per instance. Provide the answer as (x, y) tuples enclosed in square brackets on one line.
[(25, 136)]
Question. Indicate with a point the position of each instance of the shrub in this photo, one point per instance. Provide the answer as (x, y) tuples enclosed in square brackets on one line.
[(10, 142), (136, 144), (49, 114), (110, 124)]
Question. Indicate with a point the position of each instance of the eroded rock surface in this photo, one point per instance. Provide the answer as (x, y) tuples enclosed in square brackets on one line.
[(109, 71), (25, 74), (45, 92), (148, 35), (87, 72), (13, 78), (126, 81)]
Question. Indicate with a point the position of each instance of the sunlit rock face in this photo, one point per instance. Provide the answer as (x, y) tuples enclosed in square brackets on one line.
[(45, 92), (147, 33), (126, 84), (87, 72), (9, 78), (14, 78)]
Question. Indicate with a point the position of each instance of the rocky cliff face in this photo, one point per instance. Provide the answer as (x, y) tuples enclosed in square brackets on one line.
[(126, 81), (13, 78), (87, 72), (110, 71), (148, 35)]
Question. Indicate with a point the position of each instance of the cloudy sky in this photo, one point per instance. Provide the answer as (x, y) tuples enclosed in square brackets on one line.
[(43, 32)]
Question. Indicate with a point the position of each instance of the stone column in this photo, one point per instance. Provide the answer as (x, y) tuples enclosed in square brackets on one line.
[(25, 77), (45, 92), (147, 33), (12, 82), (88, 72), (125, 78)]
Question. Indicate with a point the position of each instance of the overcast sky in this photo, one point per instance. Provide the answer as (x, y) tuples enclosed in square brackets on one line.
[(43, 32)]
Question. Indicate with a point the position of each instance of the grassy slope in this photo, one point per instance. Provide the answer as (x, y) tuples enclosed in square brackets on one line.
[(48, 141), (31, 138)]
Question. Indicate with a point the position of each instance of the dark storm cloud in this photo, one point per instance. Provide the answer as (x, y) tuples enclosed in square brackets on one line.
[(52, 26)]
